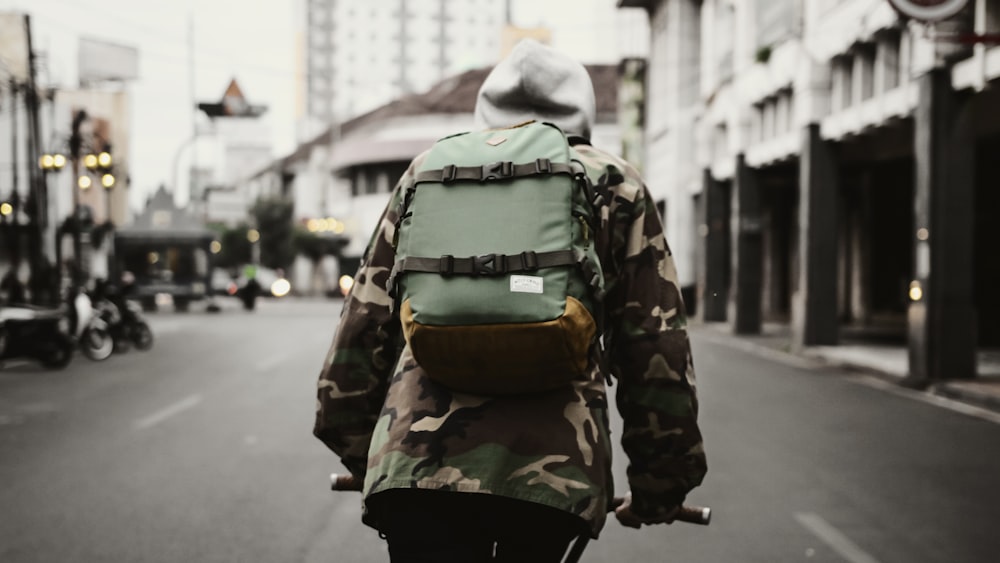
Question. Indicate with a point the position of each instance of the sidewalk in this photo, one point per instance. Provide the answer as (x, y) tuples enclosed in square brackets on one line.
[(884, 359)]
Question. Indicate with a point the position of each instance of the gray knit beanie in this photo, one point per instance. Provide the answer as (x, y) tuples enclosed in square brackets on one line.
[(537, 82)]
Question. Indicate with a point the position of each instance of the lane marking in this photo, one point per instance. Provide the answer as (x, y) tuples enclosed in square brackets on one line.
[(832, 537), (168, 412)]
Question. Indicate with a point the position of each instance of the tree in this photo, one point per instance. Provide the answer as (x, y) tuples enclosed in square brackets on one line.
[(274, 223), (235, 249)]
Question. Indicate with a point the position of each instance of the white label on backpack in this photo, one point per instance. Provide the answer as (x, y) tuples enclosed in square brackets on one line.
[(526, 284)]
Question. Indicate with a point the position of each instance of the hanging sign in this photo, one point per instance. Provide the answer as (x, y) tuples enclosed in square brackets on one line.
[(929, 10)]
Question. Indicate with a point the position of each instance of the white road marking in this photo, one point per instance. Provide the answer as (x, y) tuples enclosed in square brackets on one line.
[(832, 537), (164, 414)]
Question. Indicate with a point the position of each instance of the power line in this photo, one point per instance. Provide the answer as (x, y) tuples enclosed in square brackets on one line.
[(216, 59)]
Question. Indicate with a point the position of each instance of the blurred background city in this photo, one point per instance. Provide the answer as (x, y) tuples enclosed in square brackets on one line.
[(826, 171)]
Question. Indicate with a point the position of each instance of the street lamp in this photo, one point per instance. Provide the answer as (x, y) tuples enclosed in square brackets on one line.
[(52, 162)]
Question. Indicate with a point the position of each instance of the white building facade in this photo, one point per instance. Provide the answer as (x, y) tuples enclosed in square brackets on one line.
[(819, 160)]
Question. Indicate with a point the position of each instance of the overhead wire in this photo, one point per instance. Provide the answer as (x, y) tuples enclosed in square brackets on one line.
[(209, 57)]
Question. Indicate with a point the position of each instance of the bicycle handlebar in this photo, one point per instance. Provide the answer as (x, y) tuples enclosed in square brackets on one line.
[(701, 515)]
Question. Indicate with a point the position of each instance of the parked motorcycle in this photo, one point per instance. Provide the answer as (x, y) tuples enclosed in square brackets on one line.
[(124, 318), (89, 329), (36, 332)]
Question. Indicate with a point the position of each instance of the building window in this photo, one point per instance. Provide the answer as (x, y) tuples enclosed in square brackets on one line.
[(757, 127), (842, 82), (888, 68), (864, 62), (783, 113)]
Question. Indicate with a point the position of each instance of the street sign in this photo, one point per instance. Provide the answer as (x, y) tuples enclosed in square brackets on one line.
[(929, 10)]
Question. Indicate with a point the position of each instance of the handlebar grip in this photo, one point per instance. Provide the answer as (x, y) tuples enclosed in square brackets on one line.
[(695, 515), (339, 482), (701, 515)]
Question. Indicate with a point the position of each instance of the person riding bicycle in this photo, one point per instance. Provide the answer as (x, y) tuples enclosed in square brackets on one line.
[(451, 476)]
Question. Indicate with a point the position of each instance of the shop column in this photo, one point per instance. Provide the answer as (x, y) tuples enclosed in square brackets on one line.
[(748, 268), (941, 315), (814, 303), (715, 230)]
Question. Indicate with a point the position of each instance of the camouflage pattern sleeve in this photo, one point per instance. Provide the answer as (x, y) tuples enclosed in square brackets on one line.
[(649, 354), (355, 374)]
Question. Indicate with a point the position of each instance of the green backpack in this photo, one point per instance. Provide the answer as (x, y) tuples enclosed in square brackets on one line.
[(497, 279)]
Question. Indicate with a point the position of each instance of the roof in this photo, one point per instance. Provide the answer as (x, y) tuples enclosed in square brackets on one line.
[(454, 95), (161, 219), (458, 94), (232, 104)]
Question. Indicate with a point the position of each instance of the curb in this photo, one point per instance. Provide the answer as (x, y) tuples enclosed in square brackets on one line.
[(969, 392)]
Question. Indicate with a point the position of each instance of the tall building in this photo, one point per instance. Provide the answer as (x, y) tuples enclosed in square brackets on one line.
[(359, 55)]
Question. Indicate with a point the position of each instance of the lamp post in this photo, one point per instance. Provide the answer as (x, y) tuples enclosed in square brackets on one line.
[(52, 163)]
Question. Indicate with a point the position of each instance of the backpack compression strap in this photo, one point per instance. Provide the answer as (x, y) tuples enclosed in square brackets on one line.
[(488, 264), (494, 171), (496, 265)]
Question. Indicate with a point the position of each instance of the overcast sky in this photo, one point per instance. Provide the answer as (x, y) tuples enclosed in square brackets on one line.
[(250, 40)]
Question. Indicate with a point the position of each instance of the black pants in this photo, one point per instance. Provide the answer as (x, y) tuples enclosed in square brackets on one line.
[(427, 526)]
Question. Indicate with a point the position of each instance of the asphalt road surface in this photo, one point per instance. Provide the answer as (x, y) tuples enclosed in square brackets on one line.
[(201, 450)]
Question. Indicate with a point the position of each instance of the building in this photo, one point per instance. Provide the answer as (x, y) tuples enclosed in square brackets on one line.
[(826, 165), (360, 55), (241, 145)]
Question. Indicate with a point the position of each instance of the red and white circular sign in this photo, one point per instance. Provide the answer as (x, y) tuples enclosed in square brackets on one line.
[(929, 10)]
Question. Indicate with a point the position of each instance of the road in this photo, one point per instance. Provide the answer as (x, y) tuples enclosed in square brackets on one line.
[(201, 450)]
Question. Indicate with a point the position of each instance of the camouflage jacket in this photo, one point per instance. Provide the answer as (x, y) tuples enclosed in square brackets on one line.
[(388, 422)]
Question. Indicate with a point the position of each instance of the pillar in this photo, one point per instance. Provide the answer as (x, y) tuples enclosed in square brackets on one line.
[(814, 304), (715, 291), (748, 259), (941, 315)]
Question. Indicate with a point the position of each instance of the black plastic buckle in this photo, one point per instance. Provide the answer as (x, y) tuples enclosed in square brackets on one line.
[(448, 173), (498, 170), (488, 265), (529, 260), (446, 266), (543, 166)]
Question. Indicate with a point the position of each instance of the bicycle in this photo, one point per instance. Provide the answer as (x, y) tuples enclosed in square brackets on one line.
[(701, 515)]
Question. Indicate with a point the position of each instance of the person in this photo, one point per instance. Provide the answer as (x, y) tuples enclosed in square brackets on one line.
[(459, 477), (250, 290), (12, 288)]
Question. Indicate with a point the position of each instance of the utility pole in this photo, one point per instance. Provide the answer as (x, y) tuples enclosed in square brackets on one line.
[(75, 148), (15, 239), (41, 282)]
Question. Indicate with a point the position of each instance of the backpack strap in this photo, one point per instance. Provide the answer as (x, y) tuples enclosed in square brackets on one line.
[(487, 264), (496, 171)]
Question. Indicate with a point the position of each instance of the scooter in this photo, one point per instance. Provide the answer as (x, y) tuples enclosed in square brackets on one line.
[(89, 329), (124, 318), (36, 332)]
